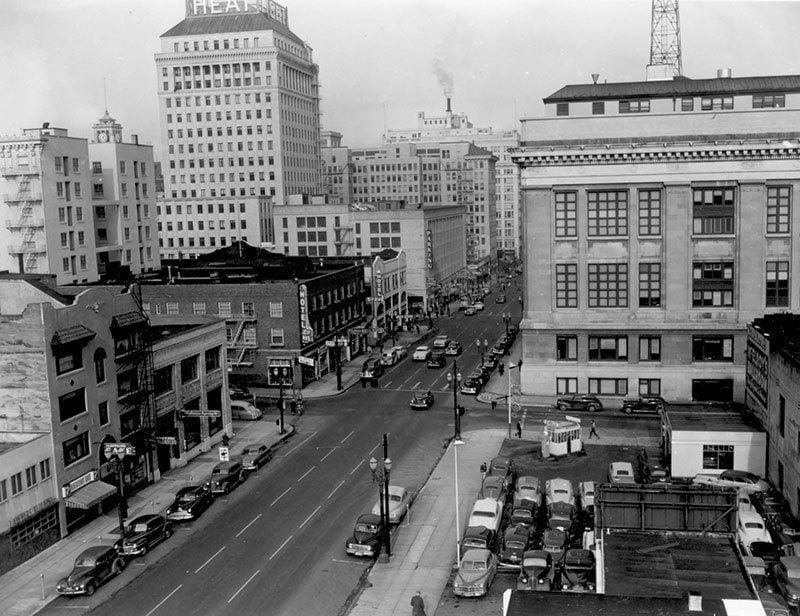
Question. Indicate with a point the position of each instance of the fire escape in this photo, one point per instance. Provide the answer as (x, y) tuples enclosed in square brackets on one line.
[(242, 342), (343, 235), (133, 353), (27, 227)]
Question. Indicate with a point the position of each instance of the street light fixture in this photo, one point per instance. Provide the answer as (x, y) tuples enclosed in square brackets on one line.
[(508, 397), (506, 319), (454, 378), (381, 477), (482, 349)]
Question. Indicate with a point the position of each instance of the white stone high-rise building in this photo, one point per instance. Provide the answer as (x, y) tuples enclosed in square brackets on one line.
[(239, 105)]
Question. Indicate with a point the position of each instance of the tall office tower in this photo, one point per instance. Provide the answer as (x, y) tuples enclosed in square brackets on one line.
[(239, 105), (77, 209)]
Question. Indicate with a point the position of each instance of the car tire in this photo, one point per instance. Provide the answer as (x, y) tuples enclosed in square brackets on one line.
[(167, 533), (627, 410), (89, 590), (591, 408), (117, 566), (562, 407), (144, 551)]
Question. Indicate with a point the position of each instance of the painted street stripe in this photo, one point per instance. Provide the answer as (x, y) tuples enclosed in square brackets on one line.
[(347, 437), (311, 516), (250, 579), (281, 547), (306, 473), (249, 525), (357, 467), (209, 560), (416, 384), (341, 483), (280, 497), (310, 436), (387, 383), (164, 600), (327, 454)]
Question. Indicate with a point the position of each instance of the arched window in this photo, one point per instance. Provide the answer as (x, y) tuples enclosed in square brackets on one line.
[(100, 365)]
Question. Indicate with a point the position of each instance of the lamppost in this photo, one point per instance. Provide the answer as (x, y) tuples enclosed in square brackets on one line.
[(506, 319), (482, 349), (381, 477), (508, 397), (122, 505), (282, 376), (456, 443), (454, 378)]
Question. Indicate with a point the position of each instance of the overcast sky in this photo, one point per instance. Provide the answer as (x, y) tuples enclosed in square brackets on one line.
[(378, 58)]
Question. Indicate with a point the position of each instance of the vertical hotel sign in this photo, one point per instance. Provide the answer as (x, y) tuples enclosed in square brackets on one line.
[(429, 248), (306, 331)]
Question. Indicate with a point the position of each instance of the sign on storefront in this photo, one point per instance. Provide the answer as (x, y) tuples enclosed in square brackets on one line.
[(183, 414), (306, 331), (78, 483), (224, 454), (120, 450)]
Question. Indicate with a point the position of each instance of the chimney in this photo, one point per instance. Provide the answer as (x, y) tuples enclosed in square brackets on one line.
[(135, 139), (695, 602), (448, 105), (595, 77), (724, 73)]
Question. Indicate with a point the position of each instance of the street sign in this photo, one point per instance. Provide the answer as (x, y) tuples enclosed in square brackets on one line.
[(198, 413), (330, 343), (165, 440), (224, 454), (306, 361), (119, 450)]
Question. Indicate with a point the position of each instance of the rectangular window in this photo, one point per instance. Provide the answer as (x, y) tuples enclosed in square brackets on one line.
[(649, 212), (162, 380), (764, 101), (212, 359), (76, 448), (777, 283), (3, 490), (687, 104), (717, 457), (567, 348), (30, 476), (189, 369), (71, 404), (248, 309), (608, 285), (779, 199), (566, 214), (649, 348), (610, 387), (567, 285), (102, 410), (172, 307), (712, 284), (649, 387), (276, 310), (127, 383), (712, 348), (566, 385), (713, 211), (562, 109), (781, 414), (716, 103), (608, 213), (68, 358), (608, 348), (44, 469), (224, 309), (16, 483), (649, 285), (276, 336), (199, 307), (634, 106), (598, 108)]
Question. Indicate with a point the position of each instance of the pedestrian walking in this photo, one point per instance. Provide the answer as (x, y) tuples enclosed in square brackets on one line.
[(501, 368), (519, 430), (483, 470), (593, 431), (225, 439), (417, 605)]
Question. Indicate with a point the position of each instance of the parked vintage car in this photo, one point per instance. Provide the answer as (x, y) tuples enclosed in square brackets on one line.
[(486, 512), (93, 567), (471, 386), (399, 502), (644, 404), (751, 528), (441, 341), (255, 456), (389, 358), (529, 488), (436, 360), (190, 502), (225, 476), (586, 491), (372, 369), (490, 362), (561, 515), (554, 541), (239, 392), (516, 539), (421, 353), (579, 402), (366, 537), (559, 489), (537, 571), (743, 480), (524, 512), (453, 348), (400, 351), (577, 571), (475, 573), (494, 487), (787, 579), (773, 604), (470, 312), (500, 299), (241, 409), (422, 400), (478, 537), (142, 534), (504, 467)]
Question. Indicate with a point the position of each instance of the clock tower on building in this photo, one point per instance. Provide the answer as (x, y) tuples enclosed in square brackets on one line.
[(107, 129)]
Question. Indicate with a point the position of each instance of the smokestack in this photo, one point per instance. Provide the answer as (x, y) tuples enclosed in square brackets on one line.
[(595, 77), (448, 105)]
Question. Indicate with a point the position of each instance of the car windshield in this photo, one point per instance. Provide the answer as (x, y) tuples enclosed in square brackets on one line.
[(86, 561), (484, 514), (188, 497), (558, 491), (396, 498), (793, 573), (420, 395), (522, 513), (473, 565), (366, 528), (515, 545), (422, 348), (757, 525), (251, 451), (622, 472), (141, 527), (534, 562)]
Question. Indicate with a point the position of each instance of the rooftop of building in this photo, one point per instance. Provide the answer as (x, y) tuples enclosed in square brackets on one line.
[(253, 21), (43, 282), (162, 331), (651, 564), (709, 418), (677, 87), (570, 604), (783, 331)]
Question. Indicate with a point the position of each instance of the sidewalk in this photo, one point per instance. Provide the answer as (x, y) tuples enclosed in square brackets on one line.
[(29, 587), (424, 548)]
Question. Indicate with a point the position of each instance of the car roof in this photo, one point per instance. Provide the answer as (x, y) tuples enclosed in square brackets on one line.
[(369, 518), (558, 482), (477, 531), (753, 516), (422, 346), (397, 490), (733, 474), (485, 504), (528, 481), (143, 519), (95, 551), (621, 466), (790, 562), (476, 554)]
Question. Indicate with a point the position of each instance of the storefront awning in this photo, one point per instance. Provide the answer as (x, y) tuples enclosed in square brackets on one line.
[(89, 495), (71, 335)]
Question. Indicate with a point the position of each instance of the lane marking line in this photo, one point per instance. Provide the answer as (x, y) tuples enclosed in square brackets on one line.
[(164, 600), (357, 466), (416, 385), (371, 451), (250, 579), (347, 437), (209, 560), (310, 436), (281, 547), (327, 454), (341, 483), (311, 516), (281, 496), (306, 473), (249, 525)]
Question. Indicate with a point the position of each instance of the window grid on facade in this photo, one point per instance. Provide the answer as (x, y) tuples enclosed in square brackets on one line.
[(224, 309), (777, 283), (717, 457), (566, 385), (276, 336), (608, 285), (566, 348), (649, 285), (608, 386), (649, 348), (713, 211), (712, 284), (567, 285), (276, 310), (608, 213), (779, 199), (649, 387), (712, 348), (198, 307), (649, 212), (566, 214), (172, 307), (608, 348), (634, 106)]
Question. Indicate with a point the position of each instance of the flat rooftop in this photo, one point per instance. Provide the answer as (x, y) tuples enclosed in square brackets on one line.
[(704, 419), (672, 565), (569, 604)]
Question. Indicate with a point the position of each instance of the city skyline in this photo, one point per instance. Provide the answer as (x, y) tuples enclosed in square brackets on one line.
[(552, 44)]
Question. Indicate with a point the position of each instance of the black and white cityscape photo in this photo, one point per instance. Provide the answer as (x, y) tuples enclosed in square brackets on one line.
[(399, 307)]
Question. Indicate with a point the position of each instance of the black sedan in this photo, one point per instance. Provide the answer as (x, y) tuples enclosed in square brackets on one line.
[(190, 502), (579, 402), (142, 534), (644, 404), (422, 400), (93, 567), (436, 360)]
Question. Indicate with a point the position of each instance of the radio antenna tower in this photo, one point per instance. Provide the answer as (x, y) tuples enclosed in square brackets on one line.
[(665, 41)]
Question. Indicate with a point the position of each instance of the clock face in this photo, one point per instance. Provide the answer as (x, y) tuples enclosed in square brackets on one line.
[(102, 136)]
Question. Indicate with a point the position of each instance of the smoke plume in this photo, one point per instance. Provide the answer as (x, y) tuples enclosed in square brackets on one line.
[(444, 77)]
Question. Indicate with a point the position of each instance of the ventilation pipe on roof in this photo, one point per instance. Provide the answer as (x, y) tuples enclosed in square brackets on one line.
[(595, 77), (695, 602), (724, 73)]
